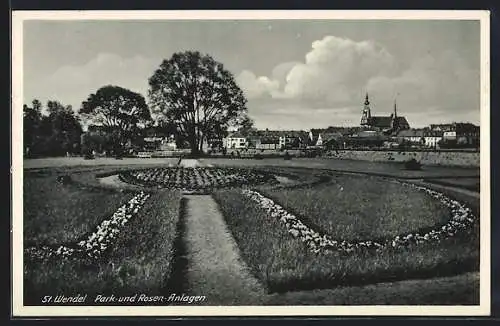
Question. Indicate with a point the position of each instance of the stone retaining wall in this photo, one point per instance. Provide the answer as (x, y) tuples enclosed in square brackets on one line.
[(464, 159)]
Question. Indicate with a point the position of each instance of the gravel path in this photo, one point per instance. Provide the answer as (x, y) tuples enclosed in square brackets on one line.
[(470, 193), (113, 180), (214, 266), (190, 163)]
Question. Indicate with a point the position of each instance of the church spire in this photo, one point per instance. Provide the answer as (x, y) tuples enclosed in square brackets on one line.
[(395, 120), (366, 117)]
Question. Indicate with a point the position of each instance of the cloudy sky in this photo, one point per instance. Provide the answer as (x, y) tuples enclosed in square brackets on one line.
[(296, 74)]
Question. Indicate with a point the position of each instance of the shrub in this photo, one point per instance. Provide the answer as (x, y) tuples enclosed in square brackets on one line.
[(413, 164), (258, 156), (64, 179)]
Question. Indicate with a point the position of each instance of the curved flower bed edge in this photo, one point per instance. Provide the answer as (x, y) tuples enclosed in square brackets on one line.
[(461, 219), (96, 244)]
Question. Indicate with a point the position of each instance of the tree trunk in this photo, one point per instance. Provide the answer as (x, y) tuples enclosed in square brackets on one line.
[(194, 146)]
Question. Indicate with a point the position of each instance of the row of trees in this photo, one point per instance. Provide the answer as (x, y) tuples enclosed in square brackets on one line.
[(55, 132), (191, 95)]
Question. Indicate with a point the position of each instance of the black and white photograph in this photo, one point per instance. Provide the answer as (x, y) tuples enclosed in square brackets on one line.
[(232, 163)]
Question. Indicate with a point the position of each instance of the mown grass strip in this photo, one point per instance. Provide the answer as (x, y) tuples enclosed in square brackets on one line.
[(361, 208), (456, 290), (139, 262), (284, 263), (55, 213)]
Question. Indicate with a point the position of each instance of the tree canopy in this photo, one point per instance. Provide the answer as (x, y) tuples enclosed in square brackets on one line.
[(54, 133), (244, 124), (197, 94), (117, 109)]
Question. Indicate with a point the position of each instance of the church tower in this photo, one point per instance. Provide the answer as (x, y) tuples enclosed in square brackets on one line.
[(365, 118), (395, 121)]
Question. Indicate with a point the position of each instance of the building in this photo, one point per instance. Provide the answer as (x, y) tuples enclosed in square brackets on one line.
[(315, 138), (276, 139), (268, 142), (235, 140), (432, 138), (413, 136), (292, 139), (459, 134), (324, 137), (387, 124), (168, 144), (156, 139), (444, 127), (365, 139)]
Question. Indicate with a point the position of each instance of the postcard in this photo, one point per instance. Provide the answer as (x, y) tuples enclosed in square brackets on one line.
[(250, 163)]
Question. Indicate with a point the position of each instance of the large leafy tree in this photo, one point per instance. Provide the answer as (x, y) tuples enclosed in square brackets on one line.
[(197, 94), (118, 109)]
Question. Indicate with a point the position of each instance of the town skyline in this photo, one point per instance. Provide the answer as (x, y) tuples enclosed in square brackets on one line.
[(295, 74)]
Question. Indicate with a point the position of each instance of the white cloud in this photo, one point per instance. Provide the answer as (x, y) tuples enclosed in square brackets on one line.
[(337, 71), (73, 84), (280, 72), (255, 87), (333, 72), (442, 80)]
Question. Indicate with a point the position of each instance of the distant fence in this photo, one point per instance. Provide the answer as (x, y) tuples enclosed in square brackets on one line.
[(447, 158), (461, 158), (158, 154), (433, 150)]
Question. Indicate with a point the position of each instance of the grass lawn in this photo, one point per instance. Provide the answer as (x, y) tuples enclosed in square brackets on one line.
[(455, 290), (381, 168), (55, 214), (284, 264), (471, 184), (360, 208), (140, 261)]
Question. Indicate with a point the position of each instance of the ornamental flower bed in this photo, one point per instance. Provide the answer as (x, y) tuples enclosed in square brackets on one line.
[(461, 220), (96, 244), (197, 178)]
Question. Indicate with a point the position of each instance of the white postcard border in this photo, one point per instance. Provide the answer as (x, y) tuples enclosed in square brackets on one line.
[(19, 310)]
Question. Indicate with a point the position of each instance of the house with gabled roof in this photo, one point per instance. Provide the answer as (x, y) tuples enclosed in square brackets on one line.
[(322, 137), (415, 136), (236, 140)]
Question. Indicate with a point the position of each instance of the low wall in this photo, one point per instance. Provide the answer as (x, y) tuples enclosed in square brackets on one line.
[(464, 159)]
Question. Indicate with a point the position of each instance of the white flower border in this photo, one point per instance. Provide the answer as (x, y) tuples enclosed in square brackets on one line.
[(461, 219), (100, 240)]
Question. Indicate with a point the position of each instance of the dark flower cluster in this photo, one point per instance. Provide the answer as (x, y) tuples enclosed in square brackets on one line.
[(196, 178)]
